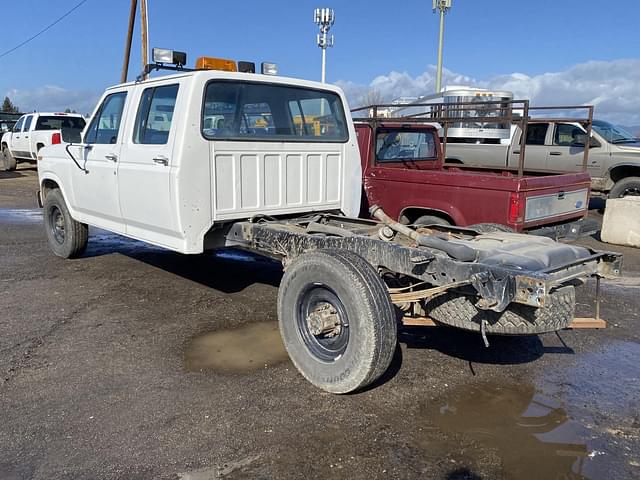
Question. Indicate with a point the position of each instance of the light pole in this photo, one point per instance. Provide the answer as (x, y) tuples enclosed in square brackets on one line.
[(443, 6), (324, 18)]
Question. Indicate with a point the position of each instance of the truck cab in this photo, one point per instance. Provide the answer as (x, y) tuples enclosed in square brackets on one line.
[(170, 159)]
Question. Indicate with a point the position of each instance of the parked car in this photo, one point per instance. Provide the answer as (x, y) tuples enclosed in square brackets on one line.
[(403, 172), (613, 162), (34, 131)]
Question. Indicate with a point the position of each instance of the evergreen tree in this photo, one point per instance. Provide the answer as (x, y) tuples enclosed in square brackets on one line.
[(9, 107)]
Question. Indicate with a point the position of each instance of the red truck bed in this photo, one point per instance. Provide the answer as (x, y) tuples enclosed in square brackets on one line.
[(408, 188)]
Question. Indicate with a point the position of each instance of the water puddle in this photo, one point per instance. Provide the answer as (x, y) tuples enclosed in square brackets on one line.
[(241, 350), (19, 216), (237, 255), (531, 433)]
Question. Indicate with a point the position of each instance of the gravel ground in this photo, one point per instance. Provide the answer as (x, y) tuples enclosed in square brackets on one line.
[(134, 362)]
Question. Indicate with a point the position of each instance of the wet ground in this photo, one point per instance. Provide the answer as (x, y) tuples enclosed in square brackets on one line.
[(134, 362)]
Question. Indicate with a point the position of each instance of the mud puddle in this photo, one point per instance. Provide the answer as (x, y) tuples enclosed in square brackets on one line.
[(20, 216), (532, 434), (241, 350)]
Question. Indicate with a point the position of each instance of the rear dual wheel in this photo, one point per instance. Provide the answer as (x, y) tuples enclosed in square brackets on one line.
[(336, 319)]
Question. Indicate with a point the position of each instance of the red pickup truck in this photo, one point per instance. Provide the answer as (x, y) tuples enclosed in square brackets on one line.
[(404, 173)]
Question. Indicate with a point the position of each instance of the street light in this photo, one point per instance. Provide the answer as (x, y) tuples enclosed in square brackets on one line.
[(324, 18), (443, 6)]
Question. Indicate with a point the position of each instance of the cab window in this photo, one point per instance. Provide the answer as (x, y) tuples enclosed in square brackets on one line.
[(155, 114), (536, 133), (566, 134), (398, 145), (105, 125), (18, 126), (267, 112), (27, 123)]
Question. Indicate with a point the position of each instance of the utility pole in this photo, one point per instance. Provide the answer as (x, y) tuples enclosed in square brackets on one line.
[(127, 46), (443, 6), (144, 29), (324, 18)]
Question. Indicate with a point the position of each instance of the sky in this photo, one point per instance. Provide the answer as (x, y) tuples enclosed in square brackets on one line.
[(550, 51)]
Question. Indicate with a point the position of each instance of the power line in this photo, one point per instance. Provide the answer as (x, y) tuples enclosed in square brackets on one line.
[(43, 30)]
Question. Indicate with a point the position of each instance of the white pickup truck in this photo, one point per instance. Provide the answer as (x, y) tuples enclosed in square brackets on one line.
[(34, 131), (208, 158), (556, 145)]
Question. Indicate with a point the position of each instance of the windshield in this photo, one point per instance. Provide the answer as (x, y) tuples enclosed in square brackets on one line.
[(613, 134)]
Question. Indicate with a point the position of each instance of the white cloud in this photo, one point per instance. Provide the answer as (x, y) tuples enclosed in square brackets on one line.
[(50, 98), (613, 87)]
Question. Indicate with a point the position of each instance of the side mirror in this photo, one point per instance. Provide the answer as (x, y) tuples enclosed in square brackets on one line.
[(71, 135)]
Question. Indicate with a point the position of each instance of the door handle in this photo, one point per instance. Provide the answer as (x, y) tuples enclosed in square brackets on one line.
[(112, 157), (516, 152), (555, 153), (161, 160), (26, 136)]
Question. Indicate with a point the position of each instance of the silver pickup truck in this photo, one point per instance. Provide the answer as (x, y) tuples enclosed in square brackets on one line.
[(614, 154)]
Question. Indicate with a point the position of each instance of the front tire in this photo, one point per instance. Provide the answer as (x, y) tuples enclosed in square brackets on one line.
[(629, 186), (9, 162), (336, 319), (67, 237)]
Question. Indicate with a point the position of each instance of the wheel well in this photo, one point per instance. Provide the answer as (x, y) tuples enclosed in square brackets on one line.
[(624, 171), (39, 146), (4, 145), (47, 186), (412, 214)]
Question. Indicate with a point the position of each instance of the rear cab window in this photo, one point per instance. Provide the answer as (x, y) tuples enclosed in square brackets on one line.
[(395, 145), (242, 110), (58, 122)]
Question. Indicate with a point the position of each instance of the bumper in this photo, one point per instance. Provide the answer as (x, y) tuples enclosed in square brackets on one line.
[(568, 231)]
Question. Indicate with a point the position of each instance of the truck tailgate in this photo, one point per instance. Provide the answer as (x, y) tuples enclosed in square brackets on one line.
[(555, 196)]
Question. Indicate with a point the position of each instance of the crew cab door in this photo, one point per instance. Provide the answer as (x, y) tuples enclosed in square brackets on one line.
[(146, 164), (96, 191), (18, 140), (566, 156), (535, 157)]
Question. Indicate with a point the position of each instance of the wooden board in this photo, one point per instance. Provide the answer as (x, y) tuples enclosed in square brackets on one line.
[(582, 323), (595, 323)]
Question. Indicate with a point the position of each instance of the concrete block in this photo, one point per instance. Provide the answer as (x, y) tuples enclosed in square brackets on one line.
[(621, 222)]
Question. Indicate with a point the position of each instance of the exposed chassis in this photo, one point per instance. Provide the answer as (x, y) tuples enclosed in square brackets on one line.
[(497, 286)]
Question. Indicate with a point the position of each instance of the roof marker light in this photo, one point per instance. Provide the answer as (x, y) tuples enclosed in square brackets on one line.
[(212, 63), (246, 67), (269, 68), (164, 55)]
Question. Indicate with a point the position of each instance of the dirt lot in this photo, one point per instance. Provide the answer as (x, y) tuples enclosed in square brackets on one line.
[(134, 362)]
